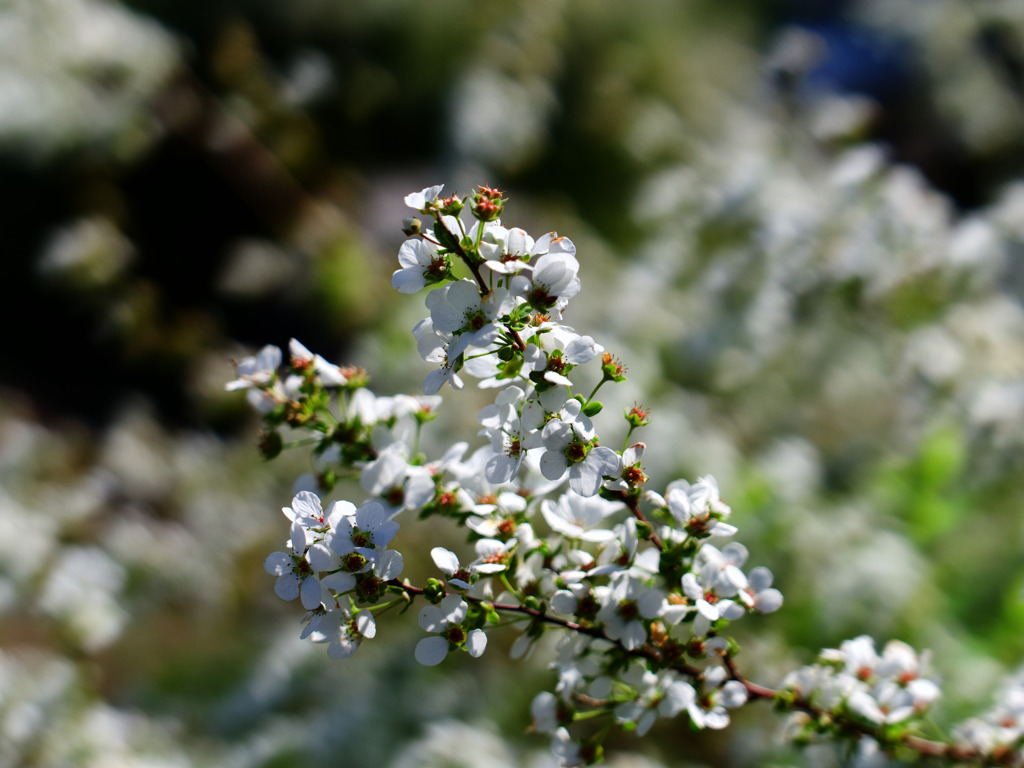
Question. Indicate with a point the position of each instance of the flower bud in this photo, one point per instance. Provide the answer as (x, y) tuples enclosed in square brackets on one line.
[(637, 416), (487, 204), (451, 206), (434, 591), (612, 368), (355, 377), (411, 226), (270, 444)]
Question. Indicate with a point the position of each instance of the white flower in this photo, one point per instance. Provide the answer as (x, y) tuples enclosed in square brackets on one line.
[(343, 631), (330, 375), (698, 508), (492, 555), (624, 606), (496, 516), (579, 517), (257, 370), (448, 562), (258, 375), (446, 374), (306, 510), (295, 577), (569, 447), (858, 657), (459, 309), (560, 350), (504, 428), (421, 265), (619, 553), (663, 694), (709, 709), (552, 282), (420, 200), (712, 588), (395, 481), (368, 573), (431, 344), (368, 528), (759, 593), (444, 622), (884, 704), (433, 347), (506, 250)]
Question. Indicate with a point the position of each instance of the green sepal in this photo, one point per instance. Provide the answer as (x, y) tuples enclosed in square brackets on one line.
[(593, 408), (492, 615)]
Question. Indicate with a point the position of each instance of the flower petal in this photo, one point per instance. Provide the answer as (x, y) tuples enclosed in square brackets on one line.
[(476, 642), (310, 593), (431, 651)]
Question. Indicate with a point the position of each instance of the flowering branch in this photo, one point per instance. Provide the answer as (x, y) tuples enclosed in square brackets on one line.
[(566, 534)]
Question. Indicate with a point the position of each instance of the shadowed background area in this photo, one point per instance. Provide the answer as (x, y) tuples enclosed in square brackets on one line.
[(800, 225)]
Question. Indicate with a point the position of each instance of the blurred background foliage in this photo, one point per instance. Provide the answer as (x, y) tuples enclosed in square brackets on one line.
[(801, 226)]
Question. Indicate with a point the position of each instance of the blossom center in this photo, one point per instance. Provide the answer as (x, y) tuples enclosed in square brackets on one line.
[(353, 562), (540, 298), (628, 610), (476, 321), (576, 452), (437, 268), (455, 634), (634, 476)]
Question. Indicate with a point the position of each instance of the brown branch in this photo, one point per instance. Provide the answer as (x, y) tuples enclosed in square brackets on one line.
[(648, 651), (634, 508)]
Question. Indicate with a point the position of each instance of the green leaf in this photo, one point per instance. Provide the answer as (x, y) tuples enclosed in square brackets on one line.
[(445, 238)]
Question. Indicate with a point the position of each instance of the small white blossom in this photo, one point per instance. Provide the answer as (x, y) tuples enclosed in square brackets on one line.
[(716, 697), (579, 517), (329, 374), (625, 604), (568, 443), (420, 200), (444, 622), (341, 630), (295, 577), (421, 265), (448, 562)]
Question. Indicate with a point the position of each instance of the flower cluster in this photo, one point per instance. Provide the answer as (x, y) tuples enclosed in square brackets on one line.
[(567, 538), (891, 692), (999, 733), (336, 557)]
